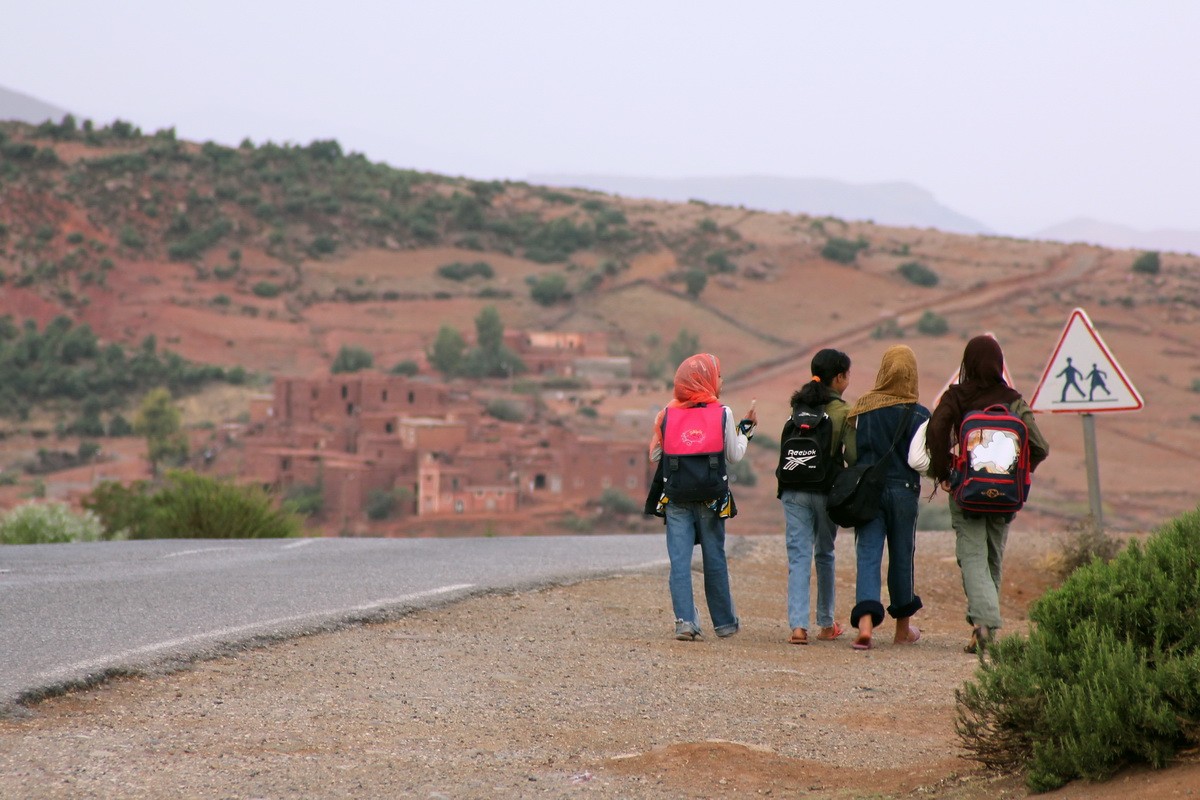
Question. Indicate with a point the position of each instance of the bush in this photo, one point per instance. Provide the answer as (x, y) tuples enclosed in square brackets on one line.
[(191, 506), (460, 271), (351, 359), (843, 251), (918, 273), (932, 324), (407, 367), (695, 280), (1109, 675), (385, 503), (1148, 263), (266, 289), (505, 411), (1084, 546), (49, 523), (548, 289), (304, 499), (614, 501)]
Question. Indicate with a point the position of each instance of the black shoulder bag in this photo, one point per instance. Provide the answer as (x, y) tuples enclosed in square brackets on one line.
[(856, 491)]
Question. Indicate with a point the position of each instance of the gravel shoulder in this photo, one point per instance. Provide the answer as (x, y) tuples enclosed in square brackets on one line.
[(562, 692)]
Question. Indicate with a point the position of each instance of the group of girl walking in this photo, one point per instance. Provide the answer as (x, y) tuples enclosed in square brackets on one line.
[(878, 428)]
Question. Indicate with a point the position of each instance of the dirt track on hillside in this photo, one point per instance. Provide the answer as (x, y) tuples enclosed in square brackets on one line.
[(564, 692)]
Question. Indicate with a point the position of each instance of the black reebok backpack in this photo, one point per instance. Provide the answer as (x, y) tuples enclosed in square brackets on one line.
[(806, 459)]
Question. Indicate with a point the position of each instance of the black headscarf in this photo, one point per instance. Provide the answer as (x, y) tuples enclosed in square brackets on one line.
[(980, 384)]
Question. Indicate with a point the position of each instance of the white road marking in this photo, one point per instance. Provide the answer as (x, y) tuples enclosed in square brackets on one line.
[(199, 550), (113, 659), (300, 543)]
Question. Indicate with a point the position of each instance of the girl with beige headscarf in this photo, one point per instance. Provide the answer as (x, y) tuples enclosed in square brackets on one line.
[(885, 419)]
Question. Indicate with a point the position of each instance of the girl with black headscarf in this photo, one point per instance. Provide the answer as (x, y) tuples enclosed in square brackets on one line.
[(979, 538)]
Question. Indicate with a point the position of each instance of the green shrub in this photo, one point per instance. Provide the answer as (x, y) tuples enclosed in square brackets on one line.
[(49, 523), (460, 271), (267, 289), (918, 273), (695, 280), (406, 367), (304, 499), (548, 289), (1109, 675), (1084, 546), (843, 251), (352, 358), (384, 504), (1148, 263), (505, 411), (614, 501), (129, 237), (932, 324), (191, 506)]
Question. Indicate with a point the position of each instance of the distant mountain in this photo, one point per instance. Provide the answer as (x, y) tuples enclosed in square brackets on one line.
[(897, 203), (22, 107), (1109, 234)]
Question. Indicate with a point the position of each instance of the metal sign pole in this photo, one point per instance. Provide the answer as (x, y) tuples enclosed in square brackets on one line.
[(1092, 463)]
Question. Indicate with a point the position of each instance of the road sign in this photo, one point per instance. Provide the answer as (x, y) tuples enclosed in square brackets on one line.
[(1082, 376), (953, 379)]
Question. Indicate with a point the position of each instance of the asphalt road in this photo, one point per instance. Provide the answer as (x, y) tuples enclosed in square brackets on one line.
[(71, 615)]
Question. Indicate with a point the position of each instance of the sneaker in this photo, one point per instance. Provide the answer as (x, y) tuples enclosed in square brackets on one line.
[(729, 630), (686, 631)]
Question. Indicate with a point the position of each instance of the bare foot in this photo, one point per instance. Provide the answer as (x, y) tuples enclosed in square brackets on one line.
[(911, 636)]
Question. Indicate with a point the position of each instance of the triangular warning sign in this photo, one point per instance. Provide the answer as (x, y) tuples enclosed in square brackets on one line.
[(953, 379), (1082, 376)]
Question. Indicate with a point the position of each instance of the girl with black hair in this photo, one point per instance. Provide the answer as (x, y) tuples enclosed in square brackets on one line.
[(809, 531)]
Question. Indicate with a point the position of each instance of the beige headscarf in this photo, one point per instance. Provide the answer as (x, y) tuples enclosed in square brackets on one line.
[(895, 383)]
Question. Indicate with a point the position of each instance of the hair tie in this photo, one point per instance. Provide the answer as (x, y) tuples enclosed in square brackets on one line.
[(816, 378)]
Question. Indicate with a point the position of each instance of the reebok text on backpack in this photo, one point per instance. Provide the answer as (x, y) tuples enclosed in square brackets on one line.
[(806, 460)]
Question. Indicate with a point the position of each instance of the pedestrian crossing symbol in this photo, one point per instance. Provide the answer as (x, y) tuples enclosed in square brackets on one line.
[(1082, 376)]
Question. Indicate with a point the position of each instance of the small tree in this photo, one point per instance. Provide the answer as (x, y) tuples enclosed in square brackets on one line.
[(1148, 263), (548, 289), (918, 273), (446, 355), (685, 344), (351, 358), (695, 280), (161, 423)]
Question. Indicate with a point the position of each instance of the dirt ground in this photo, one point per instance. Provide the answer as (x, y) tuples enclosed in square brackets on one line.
[(568, 691)]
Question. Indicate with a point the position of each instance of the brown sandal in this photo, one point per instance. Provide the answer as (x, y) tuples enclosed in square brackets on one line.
[(799, 636)]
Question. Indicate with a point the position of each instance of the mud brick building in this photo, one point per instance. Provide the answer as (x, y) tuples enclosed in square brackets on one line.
[(430, 443)]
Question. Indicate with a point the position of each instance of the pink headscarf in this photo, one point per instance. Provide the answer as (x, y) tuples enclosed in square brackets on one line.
[(698, 380)]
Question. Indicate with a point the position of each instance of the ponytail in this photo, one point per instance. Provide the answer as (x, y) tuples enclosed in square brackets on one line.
[(827, 364)]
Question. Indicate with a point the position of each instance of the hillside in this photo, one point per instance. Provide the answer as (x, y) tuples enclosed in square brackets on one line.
[(272, 257)]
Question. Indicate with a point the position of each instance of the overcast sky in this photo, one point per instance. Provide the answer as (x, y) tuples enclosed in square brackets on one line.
[(1020, 114)]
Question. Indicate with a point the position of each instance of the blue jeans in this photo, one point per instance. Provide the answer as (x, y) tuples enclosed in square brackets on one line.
[(810, 535), (896, 526), (687, 525)]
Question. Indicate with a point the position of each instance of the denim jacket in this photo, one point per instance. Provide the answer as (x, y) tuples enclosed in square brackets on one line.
[(874, 433)]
